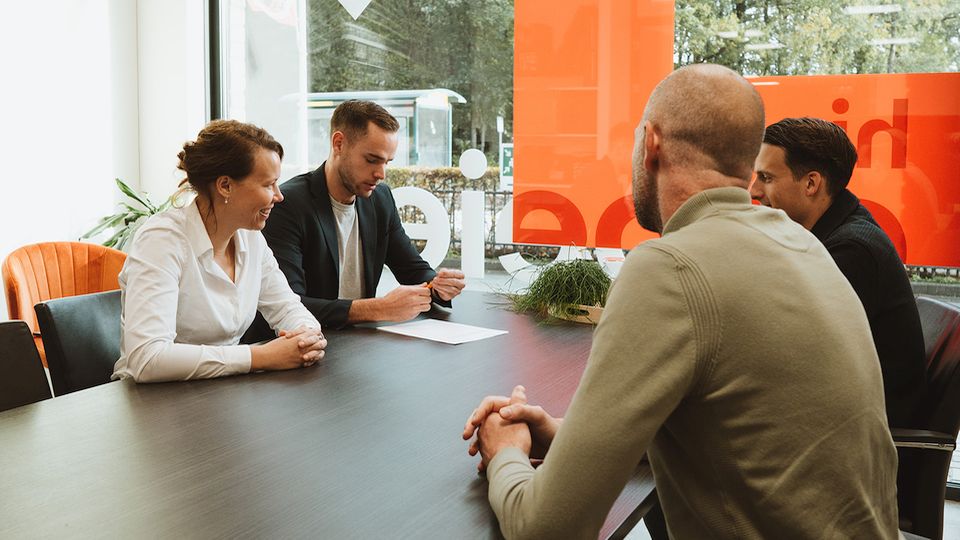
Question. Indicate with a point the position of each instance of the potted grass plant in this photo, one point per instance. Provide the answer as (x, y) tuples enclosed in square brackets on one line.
[(574, 290), (130, 215)]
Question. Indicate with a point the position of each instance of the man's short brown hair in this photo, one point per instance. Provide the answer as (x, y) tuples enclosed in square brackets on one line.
[(353, 116), (812, 144)]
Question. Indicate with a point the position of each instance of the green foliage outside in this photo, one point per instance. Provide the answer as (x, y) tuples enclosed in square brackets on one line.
[(467, 46), (933, 274), (946, 280), (463, 45), (806, 37), (441, 179), (446, 183)]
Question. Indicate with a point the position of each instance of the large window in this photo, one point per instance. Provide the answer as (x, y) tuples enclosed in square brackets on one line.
[(813, 37), (884, 70), (444, 68)]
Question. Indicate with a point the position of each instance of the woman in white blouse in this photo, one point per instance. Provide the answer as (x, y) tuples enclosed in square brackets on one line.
[(196, 276)]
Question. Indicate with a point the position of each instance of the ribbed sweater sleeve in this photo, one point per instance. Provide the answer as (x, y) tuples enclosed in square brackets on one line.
[(659, 322)]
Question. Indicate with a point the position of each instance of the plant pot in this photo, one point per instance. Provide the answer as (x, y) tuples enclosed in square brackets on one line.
[(580, 313)]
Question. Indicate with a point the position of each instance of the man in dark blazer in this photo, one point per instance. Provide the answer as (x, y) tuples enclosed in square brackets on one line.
[(337, 227), (803, 168)]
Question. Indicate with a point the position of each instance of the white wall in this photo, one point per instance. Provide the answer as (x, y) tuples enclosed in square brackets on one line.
[(92, 90), (68, 115), (172, 60)]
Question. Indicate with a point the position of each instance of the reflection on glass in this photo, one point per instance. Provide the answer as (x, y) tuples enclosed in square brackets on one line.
[(463, 49)]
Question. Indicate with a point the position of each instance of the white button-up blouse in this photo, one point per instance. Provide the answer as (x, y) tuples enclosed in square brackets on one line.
[(182, 317)]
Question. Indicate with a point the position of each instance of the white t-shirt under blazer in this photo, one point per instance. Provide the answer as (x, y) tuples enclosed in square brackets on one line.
[(182, 317)]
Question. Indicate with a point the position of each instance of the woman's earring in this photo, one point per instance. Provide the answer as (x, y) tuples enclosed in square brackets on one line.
[(226, 200)]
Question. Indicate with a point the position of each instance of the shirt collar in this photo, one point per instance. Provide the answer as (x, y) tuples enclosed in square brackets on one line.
[(844, 203), (345, 208), (705, 203), (198, 237)]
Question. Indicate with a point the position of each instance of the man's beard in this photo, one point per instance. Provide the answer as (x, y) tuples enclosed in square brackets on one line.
[(347, 182), (646, 204)]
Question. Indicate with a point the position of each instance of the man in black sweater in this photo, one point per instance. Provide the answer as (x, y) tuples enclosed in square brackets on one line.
[(803, 168)]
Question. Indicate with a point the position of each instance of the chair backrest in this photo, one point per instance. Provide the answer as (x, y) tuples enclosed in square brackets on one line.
[(22, 380), (40, 272), (941, 406), (922, 473), (81, 335)]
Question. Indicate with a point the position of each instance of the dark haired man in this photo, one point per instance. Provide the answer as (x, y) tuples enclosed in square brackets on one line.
[(335, 230), (803, 168)]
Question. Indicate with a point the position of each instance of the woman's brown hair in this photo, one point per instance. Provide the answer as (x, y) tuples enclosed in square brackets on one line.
[(223, 148)]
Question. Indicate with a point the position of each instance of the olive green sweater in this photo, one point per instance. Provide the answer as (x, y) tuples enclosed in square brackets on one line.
[(735, 351)]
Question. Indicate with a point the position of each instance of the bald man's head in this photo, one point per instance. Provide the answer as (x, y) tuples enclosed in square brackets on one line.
[(709, 121), (709, 116)]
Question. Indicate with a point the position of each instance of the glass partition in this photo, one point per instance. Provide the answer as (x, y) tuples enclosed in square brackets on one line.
[(886, 71)]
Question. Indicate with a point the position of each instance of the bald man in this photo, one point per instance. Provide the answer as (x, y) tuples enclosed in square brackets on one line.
[(732, 351)]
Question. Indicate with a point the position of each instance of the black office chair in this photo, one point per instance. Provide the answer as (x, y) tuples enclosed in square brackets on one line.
[(81, 335), (22, 380), (925, 452)]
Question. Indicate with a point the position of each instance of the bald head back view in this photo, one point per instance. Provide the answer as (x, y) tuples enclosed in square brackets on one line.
[(702, 128)]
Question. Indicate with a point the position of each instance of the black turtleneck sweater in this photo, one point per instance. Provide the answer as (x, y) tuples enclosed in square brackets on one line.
[(866, 256)]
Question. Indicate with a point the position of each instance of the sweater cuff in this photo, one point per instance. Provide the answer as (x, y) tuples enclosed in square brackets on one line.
[(506, 457), (507, 472)]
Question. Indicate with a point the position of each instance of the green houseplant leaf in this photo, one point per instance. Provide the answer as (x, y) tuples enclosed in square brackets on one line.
[(127, 219), (104, 224), (142, 199)]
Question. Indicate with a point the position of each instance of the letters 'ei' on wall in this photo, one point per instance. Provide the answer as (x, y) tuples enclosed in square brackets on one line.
[(582, 74)]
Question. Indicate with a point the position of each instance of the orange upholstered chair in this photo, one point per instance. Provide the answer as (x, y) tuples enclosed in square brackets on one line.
[(40, 272)]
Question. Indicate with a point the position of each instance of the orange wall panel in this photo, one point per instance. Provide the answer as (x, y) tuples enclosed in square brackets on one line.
[(580, 67), (583, 72), (906, 128)]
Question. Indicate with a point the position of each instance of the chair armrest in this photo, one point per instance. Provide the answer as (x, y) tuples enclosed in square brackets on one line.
[(910, 536), (921, 438)]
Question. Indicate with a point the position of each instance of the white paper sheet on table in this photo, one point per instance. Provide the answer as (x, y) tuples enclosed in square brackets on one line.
[(442, 331)]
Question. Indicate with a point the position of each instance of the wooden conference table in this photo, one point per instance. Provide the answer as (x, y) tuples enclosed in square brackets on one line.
[(365, 444)]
